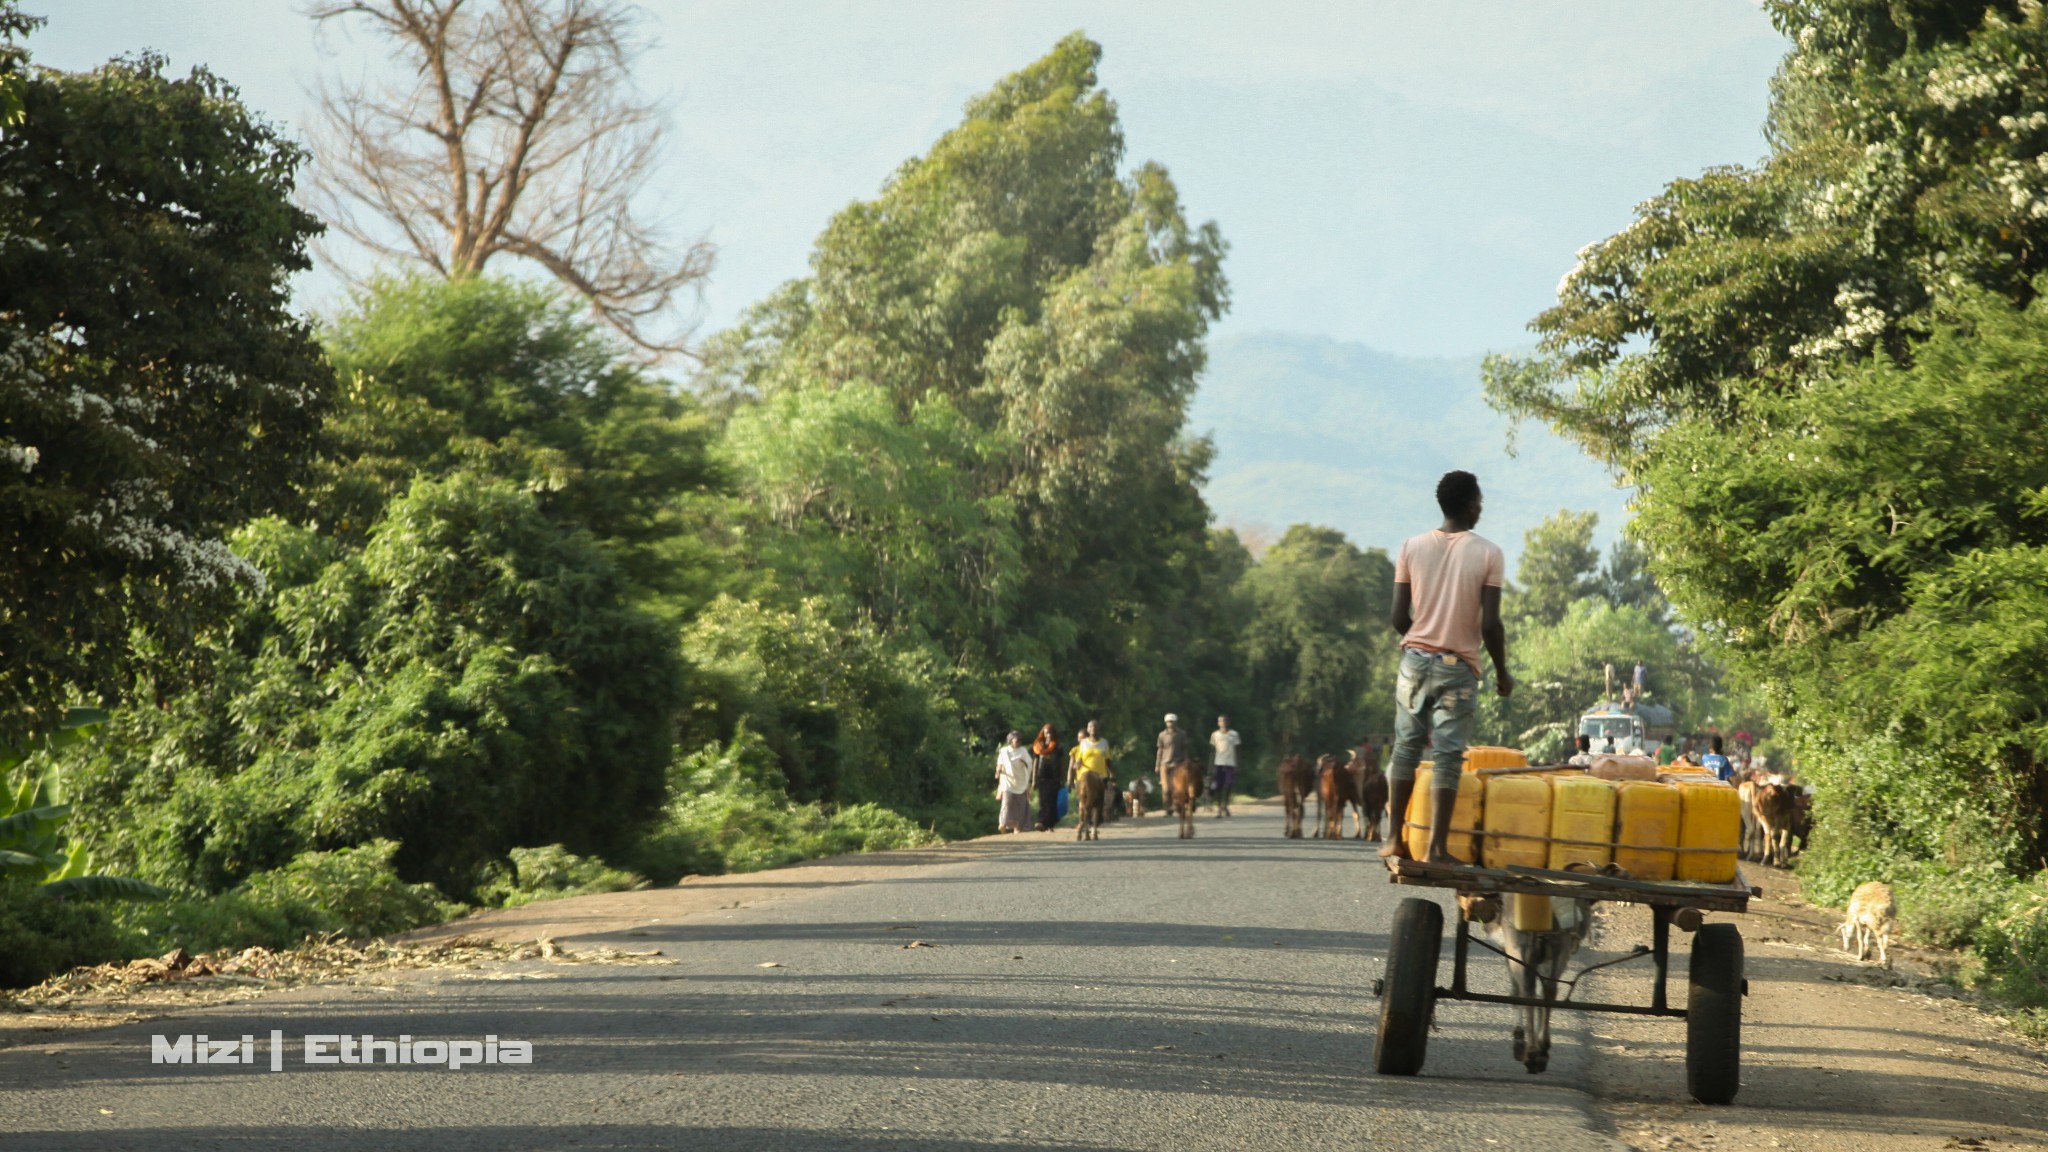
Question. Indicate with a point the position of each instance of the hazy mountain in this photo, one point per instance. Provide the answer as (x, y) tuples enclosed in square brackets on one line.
[(1309, 429)]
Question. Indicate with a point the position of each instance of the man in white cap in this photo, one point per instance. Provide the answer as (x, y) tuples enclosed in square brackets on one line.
[(1173, 748)]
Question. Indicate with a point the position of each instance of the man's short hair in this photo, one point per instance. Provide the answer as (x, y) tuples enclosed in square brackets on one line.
[(1456, 491), (1714, 742)]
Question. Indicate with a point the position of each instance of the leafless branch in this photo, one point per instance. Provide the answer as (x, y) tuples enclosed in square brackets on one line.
[(513, 128)]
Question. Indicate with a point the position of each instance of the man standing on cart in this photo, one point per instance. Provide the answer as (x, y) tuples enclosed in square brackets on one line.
[(1447, 587)]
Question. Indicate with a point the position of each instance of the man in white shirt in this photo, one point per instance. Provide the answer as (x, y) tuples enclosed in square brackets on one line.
[(1223, 744)]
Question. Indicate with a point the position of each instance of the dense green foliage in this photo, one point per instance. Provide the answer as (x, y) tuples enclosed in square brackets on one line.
[(468, 675), (154, 388), (963, 434), (1568, 617), (1824, 375), (1319, 628), (534, 621)]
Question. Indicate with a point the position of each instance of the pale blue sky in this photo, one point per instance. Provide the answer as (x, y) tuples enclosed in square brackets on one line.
[(1413, 176)]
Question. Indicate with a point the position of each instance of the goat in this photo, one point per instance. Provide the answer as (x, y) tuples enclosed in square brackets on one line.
[(1372, 795), (1295, 782), (1186, 782), (1336, 787), (1136, 796), (1089, 788), (1871, 914)]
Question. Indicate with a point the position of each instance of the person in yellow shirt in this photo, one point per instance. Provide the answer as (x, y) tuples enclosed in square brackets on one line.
[(1088, 782)]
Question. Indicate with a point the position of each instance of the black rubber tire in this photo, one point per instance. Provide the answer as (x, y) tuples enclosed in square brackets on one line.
[(1408, 1000), (1713, 1015)]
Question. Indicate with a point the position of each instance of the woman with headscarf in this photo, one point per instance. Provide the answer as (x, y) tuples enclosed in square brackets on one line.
[(1052, 774), (1013, 783)]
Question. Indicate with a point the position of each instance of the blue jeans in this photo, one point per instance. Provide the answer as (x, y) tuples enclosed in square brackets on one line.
[(1436, 701)]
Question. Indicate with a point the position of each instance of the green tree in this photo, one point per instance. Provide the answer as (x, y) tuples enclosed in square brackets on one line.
[(1014, 295), (1319, 611), (1821, 373), (1559, 566), (155, 389), (513, 380)]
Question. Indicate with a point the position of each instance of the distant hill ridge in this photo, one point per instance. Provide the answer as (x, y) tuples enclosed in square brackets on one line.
[(1310, 429)]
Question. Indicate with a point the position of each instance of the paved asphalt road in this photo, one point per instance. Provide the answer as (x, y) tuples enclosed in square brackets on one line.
[(1137, 992)]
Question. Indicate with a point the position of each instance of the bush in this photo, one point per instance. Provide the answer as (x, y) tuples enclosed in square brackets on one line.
[(727, 813), (353, 892), (40, 936), (551, 873)]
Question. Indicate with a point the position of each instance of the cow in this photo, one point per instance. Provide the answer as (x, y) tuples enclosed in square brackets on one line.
[(1752, 842), (1372, 794), (1137, 796), (1185, 782), (1871, 913), (1295, 782), (1089, 789), (1774, 801), (1336, 788)]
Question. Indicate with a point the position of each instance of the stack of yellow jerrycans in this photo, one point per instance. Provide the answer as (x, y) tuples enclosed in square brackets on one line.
[(1676, 825)]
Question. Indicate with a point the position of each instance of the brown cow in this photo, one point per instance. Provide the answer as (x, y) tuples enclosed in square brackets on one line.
[(1295, 782), (1372, 794), (1336, 788), (1185, 782), (1775, 801)]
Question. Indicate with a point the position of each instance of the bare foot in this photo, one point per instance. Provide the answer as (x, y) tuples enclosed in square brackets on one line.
[(1442, 858), (1396, 848)]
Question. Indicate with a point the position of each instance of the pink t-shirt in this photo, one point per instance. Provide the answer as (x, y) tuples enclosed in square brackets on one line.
[(1444, 572)]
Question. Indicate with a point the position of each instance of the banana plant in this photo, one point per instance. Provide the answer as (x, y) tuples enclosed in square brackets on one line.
[(33, 846)]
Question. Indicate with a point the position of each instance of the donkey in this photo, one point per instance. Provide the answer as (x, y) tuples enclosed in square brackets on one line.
[(1537, 961)]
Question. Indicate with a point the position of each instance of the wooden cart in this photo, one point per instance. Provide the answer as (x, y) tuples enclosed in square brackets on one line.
[(1714, 986)]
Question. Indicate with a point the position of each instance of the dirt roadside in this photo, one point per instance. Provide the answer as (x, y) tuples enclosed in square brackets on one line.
[(1838, 1056)]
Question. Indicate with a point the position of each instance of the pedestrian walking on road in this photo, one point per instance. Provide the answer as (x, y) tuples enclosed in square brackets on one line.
[(1013, 783), (1051, 761), (1447, 587), (1223, 744), (1173, 748)]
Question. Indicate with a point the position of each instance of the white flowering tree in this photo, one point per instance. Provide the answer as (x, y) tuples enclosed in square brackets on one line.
[(1824, 375), (154, 388)]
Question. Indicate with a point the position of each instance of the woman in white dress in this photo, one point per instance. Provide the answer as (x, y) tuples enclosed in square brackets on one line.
[(1013, 783)]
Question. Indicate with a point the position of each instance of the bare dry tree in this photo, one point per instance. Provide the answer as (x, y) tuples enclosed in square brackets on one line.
[(512, 127)]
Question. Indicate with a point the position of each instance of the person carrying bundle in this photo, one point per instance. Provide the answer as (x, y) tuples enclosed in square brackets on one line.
[(1447, 587)]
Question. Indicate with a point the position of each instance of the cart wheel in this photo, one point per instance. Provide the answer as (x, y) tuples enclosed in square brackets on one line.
[(1409, 998), (1713, 1015)]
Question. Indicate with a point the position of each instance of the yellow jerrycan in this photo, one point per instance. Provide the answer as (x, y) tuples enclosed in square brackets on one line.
[(1709, 817), (1582, 810), (1517, 817), (1646, 819), (1465, 814)]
